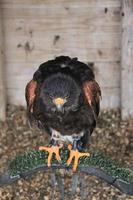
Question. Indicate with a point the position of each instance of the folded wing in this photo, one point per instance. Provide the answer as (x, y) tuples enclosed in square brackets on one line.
[(92, 94)]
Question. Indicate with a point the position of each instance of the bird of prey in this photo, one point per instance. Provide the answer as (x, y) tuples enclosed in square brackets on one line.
[(63, 98)]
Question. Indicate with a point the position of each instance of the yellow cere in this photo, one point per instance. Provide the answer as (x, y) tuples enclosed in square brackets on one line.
[(59, 101)]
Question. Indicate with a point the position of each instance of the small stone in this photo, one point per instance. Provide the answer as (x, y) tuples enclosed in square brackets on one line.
[(46, 198), (20, 183), (78, 189), (118, 134)]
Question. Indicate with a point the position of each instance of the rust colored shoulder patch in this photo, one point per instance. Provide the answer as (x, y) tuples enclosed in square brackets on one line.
[(92, 91), (30, 94)]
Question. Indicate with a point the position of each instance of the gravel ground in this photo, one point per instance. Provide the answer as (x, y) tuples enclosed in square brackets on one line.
[(111, 136)]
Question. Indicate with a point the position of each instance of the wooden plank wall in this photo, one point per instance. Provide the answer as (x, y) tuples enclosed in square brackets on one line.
[(127, 60), (38, 30), (2, 81)]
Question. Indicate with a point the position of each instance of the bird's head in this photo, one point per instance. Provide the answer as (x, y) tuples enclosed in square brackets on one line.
[(60, 93)]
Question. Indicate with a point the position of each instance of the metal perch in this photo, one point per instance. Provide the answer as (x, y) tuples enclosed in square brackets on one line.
[(97, 164)]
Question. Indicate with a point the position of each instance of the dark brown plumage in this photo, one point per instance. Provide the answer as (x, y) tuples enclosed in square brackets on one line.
[(63, 99), (73, 81)]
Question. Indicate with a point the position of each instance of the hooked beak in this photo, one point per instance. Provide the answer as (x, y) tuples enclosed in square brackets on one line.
[(59, 108), (59, 102)]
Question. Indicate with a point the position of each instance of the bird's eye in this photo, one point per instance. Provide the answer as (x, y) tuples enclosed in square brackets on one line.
[(67, 96), (51, 96)]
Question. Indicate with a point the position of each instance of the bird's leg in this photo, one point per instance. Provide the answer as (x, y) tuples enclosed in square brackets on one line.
[(54, 148), (74, 153)]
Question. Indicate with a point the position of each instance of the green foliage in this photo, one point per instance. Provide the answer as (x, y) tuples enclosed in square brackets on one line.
[(33, 159)]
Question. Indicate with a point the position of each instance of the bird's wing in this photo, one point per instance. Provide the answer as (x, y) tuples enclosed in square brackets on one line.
[(92, 93), (30, 94)]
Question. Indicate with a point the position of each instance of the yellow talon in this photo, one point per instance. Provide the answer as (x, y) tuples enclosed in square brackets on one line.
[(51, 150), (75, 154)]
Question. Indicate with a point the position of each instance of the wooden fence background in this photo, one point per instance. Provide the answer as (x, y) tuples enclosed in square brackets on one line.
[(99, 31)]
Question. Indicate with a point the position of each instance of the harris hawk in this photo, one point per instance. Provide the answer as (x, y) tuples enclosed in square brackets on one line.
[(63, 99)]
